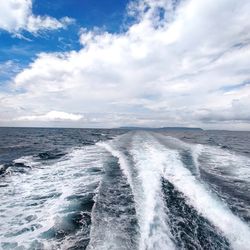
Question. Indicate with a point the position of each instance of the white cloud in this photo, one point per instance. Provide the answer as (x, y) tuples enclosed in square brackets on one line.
[(16, 15), (174, 69), (51, 116)]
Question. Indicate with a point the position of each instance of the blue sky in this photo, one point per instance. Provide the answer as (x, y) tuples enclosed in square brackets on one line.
[(108, 15), (80, 63)]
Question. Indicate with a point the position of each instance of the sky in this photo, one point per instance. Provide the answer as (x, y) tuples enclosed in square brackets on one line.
[(95, 63)]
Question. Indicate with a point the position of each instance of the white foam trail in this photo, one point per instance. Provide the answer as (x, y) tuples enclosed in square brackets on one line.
[(124, 165), (155, 232), (108, 229), (36, 201), (28, 161), (196, 151), (235, 166), (146, 188), (217, 160), (207, 204), (176, 144)]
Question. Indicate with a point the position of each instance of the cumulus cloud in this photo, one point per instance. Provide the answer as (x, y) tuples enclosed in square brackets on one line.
[(16, 15), (51, 116), (182, 64)]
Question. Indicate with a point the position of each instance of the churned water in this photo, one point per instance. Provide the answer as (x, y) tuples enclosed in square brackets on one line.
[(118, 189)]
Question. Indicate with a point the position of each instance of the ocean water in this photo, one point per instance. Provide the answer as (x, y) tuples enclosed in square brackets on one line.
[(117, 189)]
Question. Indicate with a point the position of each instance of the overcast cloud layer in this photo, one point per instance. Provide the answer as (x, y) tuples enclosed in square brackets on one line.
[(185, 64)]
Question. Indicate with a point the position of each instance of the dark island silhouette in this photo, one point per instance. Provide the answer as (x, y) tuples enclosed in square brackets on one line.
[(162, 128)]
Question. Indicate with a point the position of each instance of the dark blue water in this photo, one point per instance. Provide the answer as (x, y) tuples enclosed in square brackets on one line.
[(120, 189), (17, 142)]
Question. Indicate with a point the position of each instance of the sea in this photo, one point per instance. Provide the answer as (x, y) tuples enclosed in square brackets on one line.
[(120, 189)]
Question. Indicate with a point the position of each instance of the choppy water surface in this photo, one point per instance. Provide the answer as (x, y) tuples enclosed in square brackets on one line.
[(114, 189)]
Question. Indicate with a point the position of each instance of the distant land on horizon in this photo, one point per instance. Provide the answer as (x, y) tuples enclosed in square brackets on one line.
[(122, 127), (162, 128)]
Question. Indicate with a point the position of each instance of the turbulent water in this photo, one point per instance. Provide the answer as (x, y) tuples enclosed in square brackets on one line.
[(114, 189)]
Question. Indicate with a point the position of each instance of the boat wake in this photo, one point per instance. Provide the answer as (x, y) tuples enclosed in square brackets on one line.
[(175, 207), (141, 190)]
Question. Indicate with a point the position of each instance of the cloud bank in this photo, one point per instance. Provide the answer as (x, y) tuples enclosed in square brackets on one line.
[(16, 16), (51, 116), (184, 63)]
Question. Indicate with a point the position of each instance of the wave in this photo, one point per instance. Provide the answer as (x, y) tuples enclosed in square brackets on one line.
[(226, 163), (225, 172), (201, 198), (50, 205), (155, 231), (150, 157), (141, 190), (146, 185), (114, 221)]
